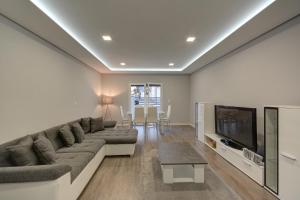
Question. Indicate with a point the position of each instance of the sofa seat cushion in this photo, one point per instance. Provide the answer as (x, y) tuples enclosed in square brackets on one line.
[(77, 161), (115, 136), (92, 146), (21, 174)]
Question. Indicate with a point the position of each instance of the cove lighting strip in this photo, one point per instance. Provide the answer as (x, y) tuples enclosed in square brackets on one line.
[(51, 14)]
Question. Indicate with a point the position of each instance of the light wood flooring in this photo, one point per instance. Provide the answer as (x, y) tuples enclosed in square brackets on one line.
[(125, 177)]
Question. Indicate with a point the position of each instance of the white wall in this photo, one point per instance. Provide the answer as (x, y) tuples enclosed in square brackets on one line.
[(264, 72), (40, 86), (176, 91)]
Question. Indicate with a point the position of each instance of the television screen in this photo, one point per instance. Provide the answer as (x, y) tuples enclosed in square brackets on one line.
[(237, 124)]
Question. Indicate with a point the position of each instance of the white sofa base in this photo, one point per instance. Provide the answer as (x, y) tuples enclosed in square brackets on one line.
[(119, 149), (62, 188), (46, 190), (83, 178)]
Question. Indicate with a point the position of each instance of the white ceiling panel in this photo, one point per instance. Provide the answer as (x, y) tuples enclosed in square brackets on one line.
[(148, 35)]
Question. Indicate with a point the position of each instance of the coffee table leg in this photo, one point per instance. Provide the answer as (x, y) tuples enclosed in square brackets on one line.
[(199, 173), (167, 171)]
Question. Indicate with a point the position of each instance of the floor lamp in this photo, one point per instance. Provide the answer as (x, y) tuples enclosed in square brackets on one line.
[(107, 100)]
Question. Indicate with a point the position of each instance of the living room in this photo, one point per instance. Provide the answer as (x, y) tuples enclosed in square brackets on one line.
[(90, 68)]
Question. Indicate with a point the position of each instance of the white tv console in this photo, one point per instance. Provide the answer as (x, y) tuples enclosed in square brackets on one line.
[(206, 134), (236, 158)]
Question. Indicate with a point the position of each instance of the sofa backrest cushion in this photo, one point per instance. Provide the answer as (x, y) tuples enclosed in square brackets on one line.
[(22, 154), (44, 150), (54, 137), (86, 124), (109, 124), (75, 121), (36, 135), (5, 160), (97, 124), (67, 135)]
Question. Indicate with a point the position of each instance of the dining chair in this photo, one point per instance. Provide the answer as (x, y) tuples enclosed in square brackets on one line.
[(125, 118), (165, 119), (152, 116), (139, 116)]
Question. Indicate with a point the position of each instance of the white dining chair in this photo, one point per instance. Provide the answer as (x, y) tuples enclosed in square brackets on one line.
[(125, 118), (139, 116), (152, 116), (165, 118)]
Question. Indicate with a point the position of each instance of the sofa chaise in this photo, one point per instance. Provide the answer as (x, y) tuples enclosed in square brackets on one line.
[(74, 165)]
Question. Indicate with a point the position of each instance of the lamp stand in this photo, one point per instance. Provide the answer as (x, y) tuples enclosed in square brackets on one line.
[(107, 110)]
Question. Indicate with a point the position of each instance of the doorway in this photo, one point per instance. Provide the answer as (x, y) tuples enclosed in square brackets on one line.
[(145, 95)]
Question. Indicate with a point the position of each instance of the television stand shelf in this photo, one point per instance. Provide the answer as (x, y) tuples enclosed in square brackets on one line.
[(235, 157), (205, 132)]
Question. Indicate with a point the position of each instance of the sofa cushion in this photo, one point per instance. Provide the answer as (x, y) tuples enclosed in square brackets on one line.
[(22, 154), (74, 121), (54, 137), (44, 150), (21, 174), (5, 160), (77, 161), (86, 124), (92, 146), (36, 135), (97, 124), (115, 136), (78, 132), (67, 135), (109, 124)]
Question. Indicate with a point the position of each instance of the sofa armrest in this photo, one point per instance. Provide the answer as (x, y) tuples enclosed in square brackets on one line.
[(109, 124), (32, 173)]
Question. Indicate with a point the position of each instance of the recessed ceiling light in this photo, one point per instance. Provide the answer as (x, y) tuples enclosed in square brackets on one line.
[(190, 39), (171, 64), (122, 63), (106, 37)]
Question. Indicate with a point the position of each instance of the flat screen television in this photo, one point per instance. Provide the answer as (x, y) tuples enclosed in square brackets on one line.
[(237, 124)]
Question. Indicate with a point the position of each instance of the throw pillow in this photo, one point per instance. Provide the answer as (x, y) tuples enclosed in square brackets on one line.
[(67, 135), (78, 132), (97, 124), (86, 124), (22, 154), (44, 150)]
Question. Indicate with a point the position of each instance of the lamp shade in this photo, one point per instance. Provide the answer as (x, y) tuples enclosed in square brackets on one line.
[(107, 100)]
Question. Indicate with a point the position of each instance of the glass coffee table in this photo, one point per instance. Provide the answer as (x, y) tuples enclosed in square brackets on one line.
[(181, 163)]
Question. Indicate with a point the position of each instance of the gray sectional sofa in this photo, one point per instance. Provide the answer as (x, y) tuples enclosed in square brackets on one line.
[(73, 167)]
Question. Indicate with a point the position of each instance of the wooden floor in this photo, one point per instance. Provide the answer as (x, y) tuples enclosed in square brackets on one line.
[(125, 178)]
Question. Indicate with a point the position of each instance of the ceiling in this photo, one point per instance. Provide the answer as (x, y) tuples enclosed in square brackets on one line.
[(148, 35)]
